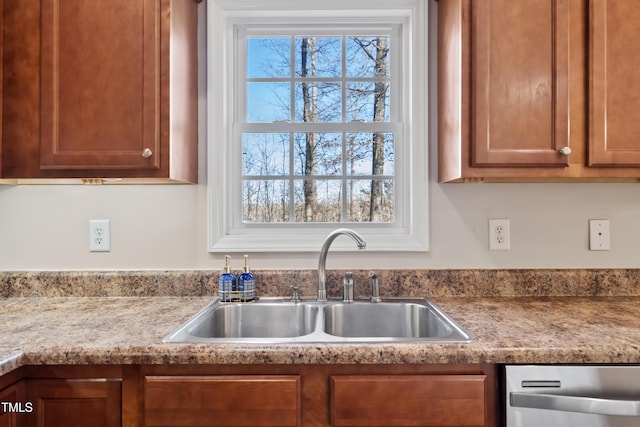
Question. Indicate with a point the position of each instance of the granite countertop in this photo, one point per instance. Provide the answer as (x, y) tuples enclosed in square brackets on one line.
[(129, 330)]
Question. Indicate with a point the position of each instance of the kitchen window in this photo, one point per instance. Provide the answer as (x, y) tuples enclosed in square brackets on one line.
[(316, 121)]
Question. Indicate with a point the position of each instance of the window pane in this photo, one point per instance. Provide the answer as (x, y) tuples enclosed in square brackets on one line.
[(370, 200), (363, 148), (265, 200), (265, 154), (367, 101), (367, 56), (318, 102), (318, 200), (268, 57), (268, 102), (318, 153), (318, 56), (317, 172)]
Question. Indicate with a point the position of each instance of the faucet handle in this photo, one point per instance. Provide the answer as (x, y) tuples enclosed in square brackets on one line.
[(375, 287), (347, 287), (295, 294)]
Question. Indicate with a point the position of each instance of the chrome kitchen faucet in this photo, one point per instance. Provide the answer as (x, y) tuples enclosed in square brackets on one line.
[(322, 262)]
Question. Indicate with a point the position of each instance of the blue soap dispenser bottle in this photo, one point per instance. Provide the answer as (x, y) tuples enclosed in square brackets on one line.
[(226, 282), (246, 283)]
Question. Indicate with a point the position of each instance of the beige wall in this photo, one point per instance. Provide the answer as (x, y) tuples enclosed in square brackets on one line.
[(164, 227)]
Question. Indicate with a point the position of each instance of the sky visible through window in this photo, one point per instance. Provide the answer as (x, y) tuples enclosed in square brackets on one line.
[(317, 141)]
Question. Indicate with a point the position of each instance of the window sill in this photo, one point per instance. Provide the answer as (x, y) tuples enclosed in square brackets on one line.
[(313, 242)]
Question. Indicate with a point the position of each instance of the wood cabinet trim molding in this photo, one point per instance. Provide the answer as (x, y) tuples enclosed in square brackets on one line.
[(453, 87)]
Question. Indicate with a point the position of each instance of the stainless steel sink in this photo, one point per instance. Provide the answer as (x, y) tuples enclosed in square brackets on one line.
[(266, 319), (270, 320), (391, 319), (277, 320)]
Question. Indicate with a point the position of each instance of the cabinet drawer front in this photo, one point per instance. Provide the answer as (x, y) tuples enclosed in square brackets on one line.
[(228, 400), (408, 400)]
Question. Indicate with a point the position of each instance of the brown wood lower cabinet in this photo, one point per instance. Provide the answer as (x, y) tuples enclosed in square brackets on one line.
[(224, 400), (320, 395), (294, 395), (74, 403), (408, 400), (12, 395)]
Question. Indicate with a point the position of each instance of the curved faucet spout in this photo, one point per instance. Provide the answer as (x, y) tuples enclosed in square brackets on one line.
[(322, 262)]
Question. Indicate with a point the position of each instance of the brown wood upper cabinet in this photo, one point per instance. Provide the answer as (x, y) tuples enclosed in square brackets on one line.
[(99, 89), (614, 84), (538, 90), (519, 92)]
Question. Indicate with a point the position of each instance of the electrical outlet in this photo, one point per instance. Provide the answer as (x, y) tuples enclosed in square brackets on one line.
[(99, 235), (599, 235), (499, 235)]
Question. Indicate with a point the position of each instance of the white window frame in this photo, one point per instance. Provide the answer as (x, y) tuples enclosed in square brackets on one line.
[(226, 232)]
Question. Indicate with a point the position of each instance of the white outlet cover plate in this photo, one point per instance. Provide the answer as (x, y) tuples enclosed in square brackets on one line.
[(599, 235), (99, 235), (504, 243)]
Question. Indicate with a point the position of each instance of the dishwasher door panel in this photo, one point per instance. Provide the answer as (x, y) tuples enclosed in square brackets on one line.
[(566, 396)]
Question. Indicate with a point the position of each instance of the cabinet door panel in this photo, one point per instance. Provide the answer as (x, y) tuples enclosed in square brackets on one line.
[(408, 400), (226, 400), (520, 94), (100, 80), (74, 403), (12, 394), (614, 137)]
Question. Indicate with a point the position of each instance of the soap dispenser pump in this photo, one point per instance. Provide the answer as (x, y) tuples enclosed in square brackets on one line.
[(227, 282), (247, 283)]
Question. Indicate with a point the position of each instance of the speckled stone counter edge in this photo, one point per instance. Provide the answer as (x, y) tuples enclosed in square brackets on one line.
[(10, 360), (423, 283)]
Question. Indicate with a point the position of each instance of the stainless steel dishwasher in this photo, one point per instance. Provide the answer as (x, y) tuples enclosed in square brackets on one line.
[(566, 396)]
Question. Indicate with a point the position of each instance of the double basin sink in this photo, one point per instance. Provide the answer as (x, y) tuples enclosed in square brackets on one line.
[(279, 320)]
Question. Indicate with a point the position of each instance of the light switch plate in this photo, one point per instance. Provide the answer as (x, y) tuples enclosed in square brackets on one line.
[(599, 236)]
